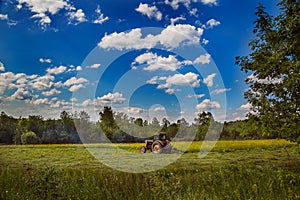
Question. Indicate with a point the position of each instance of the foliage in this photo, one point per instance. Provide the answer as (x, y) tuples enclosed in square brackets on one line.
[(30, 138), (274, 91)]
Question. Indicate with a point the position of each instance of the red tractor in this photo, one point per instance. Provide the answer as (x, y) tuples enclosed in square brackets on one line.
[(159, 144)]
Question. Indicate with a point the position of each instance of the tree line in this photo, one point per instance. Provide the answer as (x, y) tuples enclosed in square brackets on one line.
[(118, 127)]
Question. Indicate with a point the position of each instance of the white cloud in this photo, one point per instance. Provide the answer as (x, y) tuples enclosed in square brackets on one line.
[(56, 70), (75, 88), (101, 18), (2, 68), (20, 94), (78, 68), (175, 20), (135, 110), (208, 105), (39, 101), (198, 96), (115, 98), (149, 11), (3, 16), (170, 91), (42, 10), (246, 106), (171, 37), (43, 18), (205, 41), (159, 109), (74, 80), (209, 80), (45, 60), (210, 2), (108, 99), (42, 82), (78, 16), (41, 7), (155, 62), (212, 22), (188, 79), (153, 80), (193, 12), (51, 92), (219, 91), (94, 66), (203, 59), (175, 3)]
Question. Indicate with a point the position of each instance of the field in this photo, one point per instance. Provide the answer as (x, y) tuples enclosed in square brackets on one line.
[(251, 169)]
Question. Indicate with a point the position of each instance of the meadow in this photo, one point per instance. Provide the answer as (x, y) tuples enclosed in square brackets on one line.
[(249, 169)]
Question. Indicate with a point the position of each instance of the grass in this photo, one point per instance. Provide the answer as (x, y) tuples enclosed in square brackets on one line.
[(254, 169)]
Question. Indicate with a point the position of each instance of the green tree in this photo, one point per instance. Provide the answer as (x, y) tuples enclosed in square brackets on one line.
[(274, 62), (108, 123), (203, 120), (30, 138)]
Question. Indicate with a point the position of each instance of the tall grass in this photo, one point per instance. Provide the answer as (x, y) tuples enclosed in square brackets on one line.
[(227, 182), (263, 169)]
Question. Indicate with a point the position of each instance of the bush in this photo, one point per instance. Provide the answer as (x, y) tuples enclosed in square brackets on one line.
[(30, 138)]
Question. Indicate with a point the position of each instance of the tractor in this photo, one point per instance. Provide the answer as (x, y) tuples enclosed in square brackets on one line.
[(159, 144)]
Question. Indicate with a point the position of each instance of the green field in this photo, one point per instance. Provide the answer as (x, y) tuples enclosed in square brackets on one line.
[(251, 169)]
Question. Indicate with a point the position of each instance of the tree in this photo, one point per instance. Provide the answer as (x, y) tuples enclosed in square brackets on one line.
[(30, 138), (203, 120), (108, 123), (274, 62)]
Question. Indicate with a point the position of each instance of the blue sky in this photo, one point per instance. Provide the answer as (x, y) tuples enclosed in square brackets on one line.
[(168, 58)]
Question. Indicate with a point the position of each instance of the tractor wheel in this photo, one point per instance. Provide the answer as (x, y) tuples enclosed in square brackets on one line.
[(167, 148), (156, 147), (143, 149)]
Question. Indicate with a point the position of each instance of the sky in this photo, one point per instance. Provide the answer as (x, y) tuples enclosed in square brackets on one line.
[(167, 58)]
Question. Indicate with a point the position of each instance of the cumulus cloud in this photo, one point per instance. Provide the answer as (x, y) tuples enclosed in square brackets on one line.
[(107, 99), (155, 62), (219, 91), (56, 70), (175, 3), (210, 2), (2, 68), (209, 80), (188, 79), (149, 11), (198, 96), (75, 88), (45, 60), (78, 16), (20, 94), (42, 9), (51, 92), (3, 16), (246, 106), (100, 18), (74, 80), (42, 82), (135, 110), (171, 37), (208, 105), (159, 109), (212, 23), (203, 59), (94, 66), (175, 20)]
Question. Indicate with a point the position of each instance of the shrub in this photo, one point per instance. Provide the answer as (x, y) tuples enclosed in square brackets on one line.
[(30, 138)]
